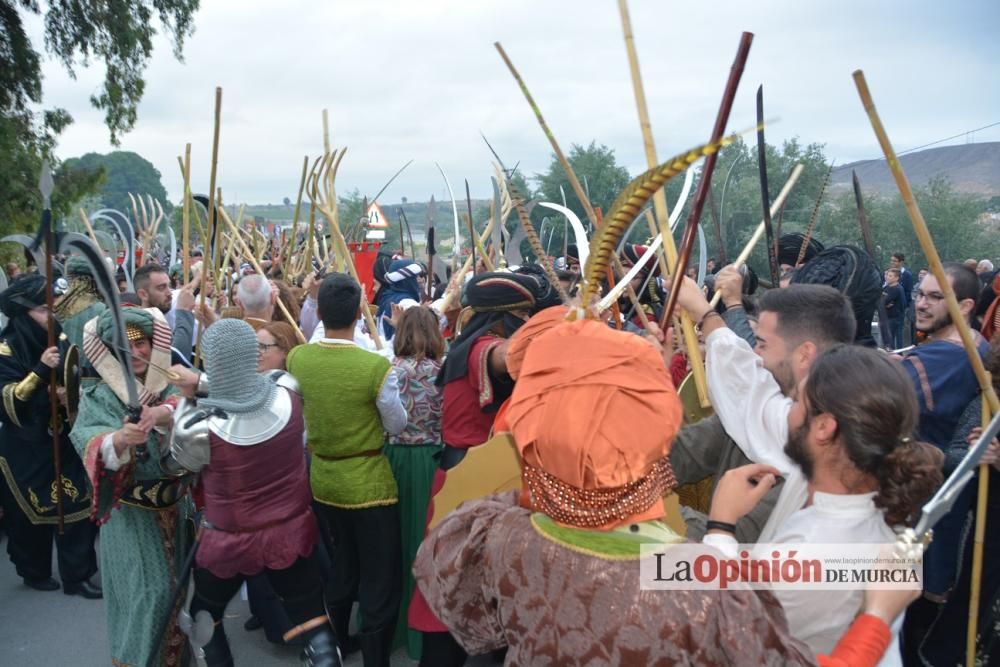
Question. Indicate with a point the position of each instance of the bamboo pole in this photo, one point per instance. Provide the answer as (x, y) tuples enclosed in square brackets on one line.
[(762, 228), (186, 217), (669, 256), (210, 253), (298, 208), (90, 229), (991, 405), (246, 252)]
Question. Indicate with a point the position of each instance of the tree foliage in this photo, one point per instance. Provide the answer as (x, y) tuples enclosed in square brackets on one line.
[(124, 172), (20, 201), (594, 166), (118, 33)]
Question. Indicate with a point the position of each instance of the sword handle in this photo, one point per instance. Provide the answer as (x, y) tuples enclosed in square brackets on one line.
[(141, 453)]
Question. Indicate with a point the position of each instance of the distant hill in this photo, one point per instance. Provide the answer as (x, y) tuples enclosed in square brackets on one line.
[(972, 168)]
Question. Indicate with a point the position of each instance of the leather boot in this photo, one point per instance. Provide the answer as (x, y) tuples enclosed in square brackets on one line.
[(321, 650), (376, 646), (217, 653), (340, 616)]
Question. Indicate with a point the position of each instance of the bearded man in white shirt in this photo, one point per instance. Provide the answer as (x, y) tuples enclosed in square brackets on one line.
[(840, 443)]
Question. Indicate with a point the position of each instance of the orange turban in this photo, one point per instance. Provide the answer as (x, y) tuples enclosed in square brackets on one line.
[(539, 323), (594, 414)]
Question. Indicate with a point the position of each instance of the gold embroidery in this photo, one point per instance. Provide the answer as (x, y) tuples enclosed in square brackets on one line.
[(69, 490), (5, 350), (26, 505), (33, 498), (9, 406), (153, 492), (26, 387)]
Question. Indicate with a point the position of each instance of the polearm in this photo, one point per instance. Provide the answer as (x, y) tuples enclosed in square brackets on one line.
[(186, 217), (990, 400), (866, 228), (687, 241), (765, 196), (45, 186), (669, 255), (869, 241)]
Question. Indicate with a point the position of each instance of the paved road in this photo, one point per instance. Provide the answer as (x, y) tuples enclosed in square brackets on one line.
[(56, 630)]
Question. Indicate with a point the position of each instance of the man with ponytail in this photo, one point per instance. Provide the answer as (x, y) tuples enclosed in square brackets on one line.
[(842, 440)]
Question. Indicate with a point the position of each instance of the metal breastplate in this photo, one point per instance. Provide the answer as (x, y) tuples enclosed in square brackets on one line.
[(252, 429)]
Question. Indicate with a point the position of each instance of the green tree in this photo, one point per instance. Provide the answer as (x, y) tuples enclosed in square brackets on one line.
[(124, 172), (118, 33), (20, 202), (605, 179)]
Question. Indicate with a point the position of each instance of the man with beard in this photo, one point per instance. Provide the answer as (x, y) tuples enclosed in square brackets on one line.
[(28, 496), (945, 383), (753, 396), (795, 325), (152, 284), (850, 449)]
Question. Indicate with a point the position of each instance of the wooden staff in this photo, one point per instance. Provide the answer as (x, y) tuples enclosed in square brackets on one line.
[(213, 252), (246, 252), (669, 255), (991, 405), (298, 208), (705, 182), (90, 228), (186, 217), (761, 228)]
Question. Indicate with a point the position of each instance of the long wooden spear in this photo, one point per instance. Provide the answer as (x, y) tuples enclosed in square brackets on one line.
[(990, 400), (186, 218), (687, 241), (669, 256)]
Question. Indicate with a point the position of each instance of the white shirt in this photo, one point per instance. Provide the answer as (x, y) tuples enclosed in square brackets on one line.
[(754, 413), (390, 406)]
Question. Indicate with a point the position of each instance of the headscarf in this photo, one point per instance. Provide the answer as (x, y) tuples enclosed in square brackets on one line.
[(230, 353), (99, 347), (594, 415), (491, 296), (25, 337), (399, 282)]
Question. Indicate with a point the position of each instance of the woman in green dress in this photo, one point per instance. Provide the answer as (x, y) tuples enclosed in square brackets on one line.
[(419, 348), (140, 510)]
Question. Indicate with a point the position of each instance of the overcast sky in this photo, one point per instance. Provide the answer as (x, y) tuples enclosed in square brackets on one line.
[(420, 79)]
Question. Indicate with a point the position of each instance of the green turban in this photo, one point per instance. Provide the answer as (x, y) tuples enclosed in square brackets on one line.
[(136, 321), (77, 266)]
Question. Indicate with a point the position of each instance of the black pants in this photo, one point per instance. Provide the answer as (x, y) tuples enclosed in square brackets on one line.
[(367, 563), (299, 587), (30, 545)]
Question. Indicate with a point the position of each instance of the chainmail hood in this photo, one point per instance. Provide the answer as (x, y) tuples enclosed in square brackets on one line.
[(230, 351)]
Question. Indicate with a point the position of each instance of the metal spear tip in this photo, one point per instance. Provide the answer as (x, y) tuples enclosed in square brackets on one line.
[(46, 184)]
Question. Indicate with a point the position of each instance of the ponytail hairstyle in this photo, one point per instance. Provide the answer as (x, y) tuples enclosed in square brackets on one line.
[(875, 406)]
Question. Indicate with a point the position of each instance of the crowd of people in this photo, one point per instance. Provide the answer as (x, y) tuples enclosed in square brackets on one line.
[(265, 434)]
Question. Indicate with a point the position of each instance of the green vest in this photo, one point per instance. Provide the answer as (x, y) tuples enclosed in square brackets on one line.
[(340, 384)]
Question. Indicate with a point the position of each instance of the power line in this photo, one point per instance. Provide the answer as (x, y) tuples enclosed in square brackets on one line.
[(917, 148), (956, 136)]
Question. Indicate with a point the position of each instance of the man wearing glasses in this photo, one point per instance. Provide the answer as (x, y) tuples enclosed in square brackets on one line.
[(945, 383)]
